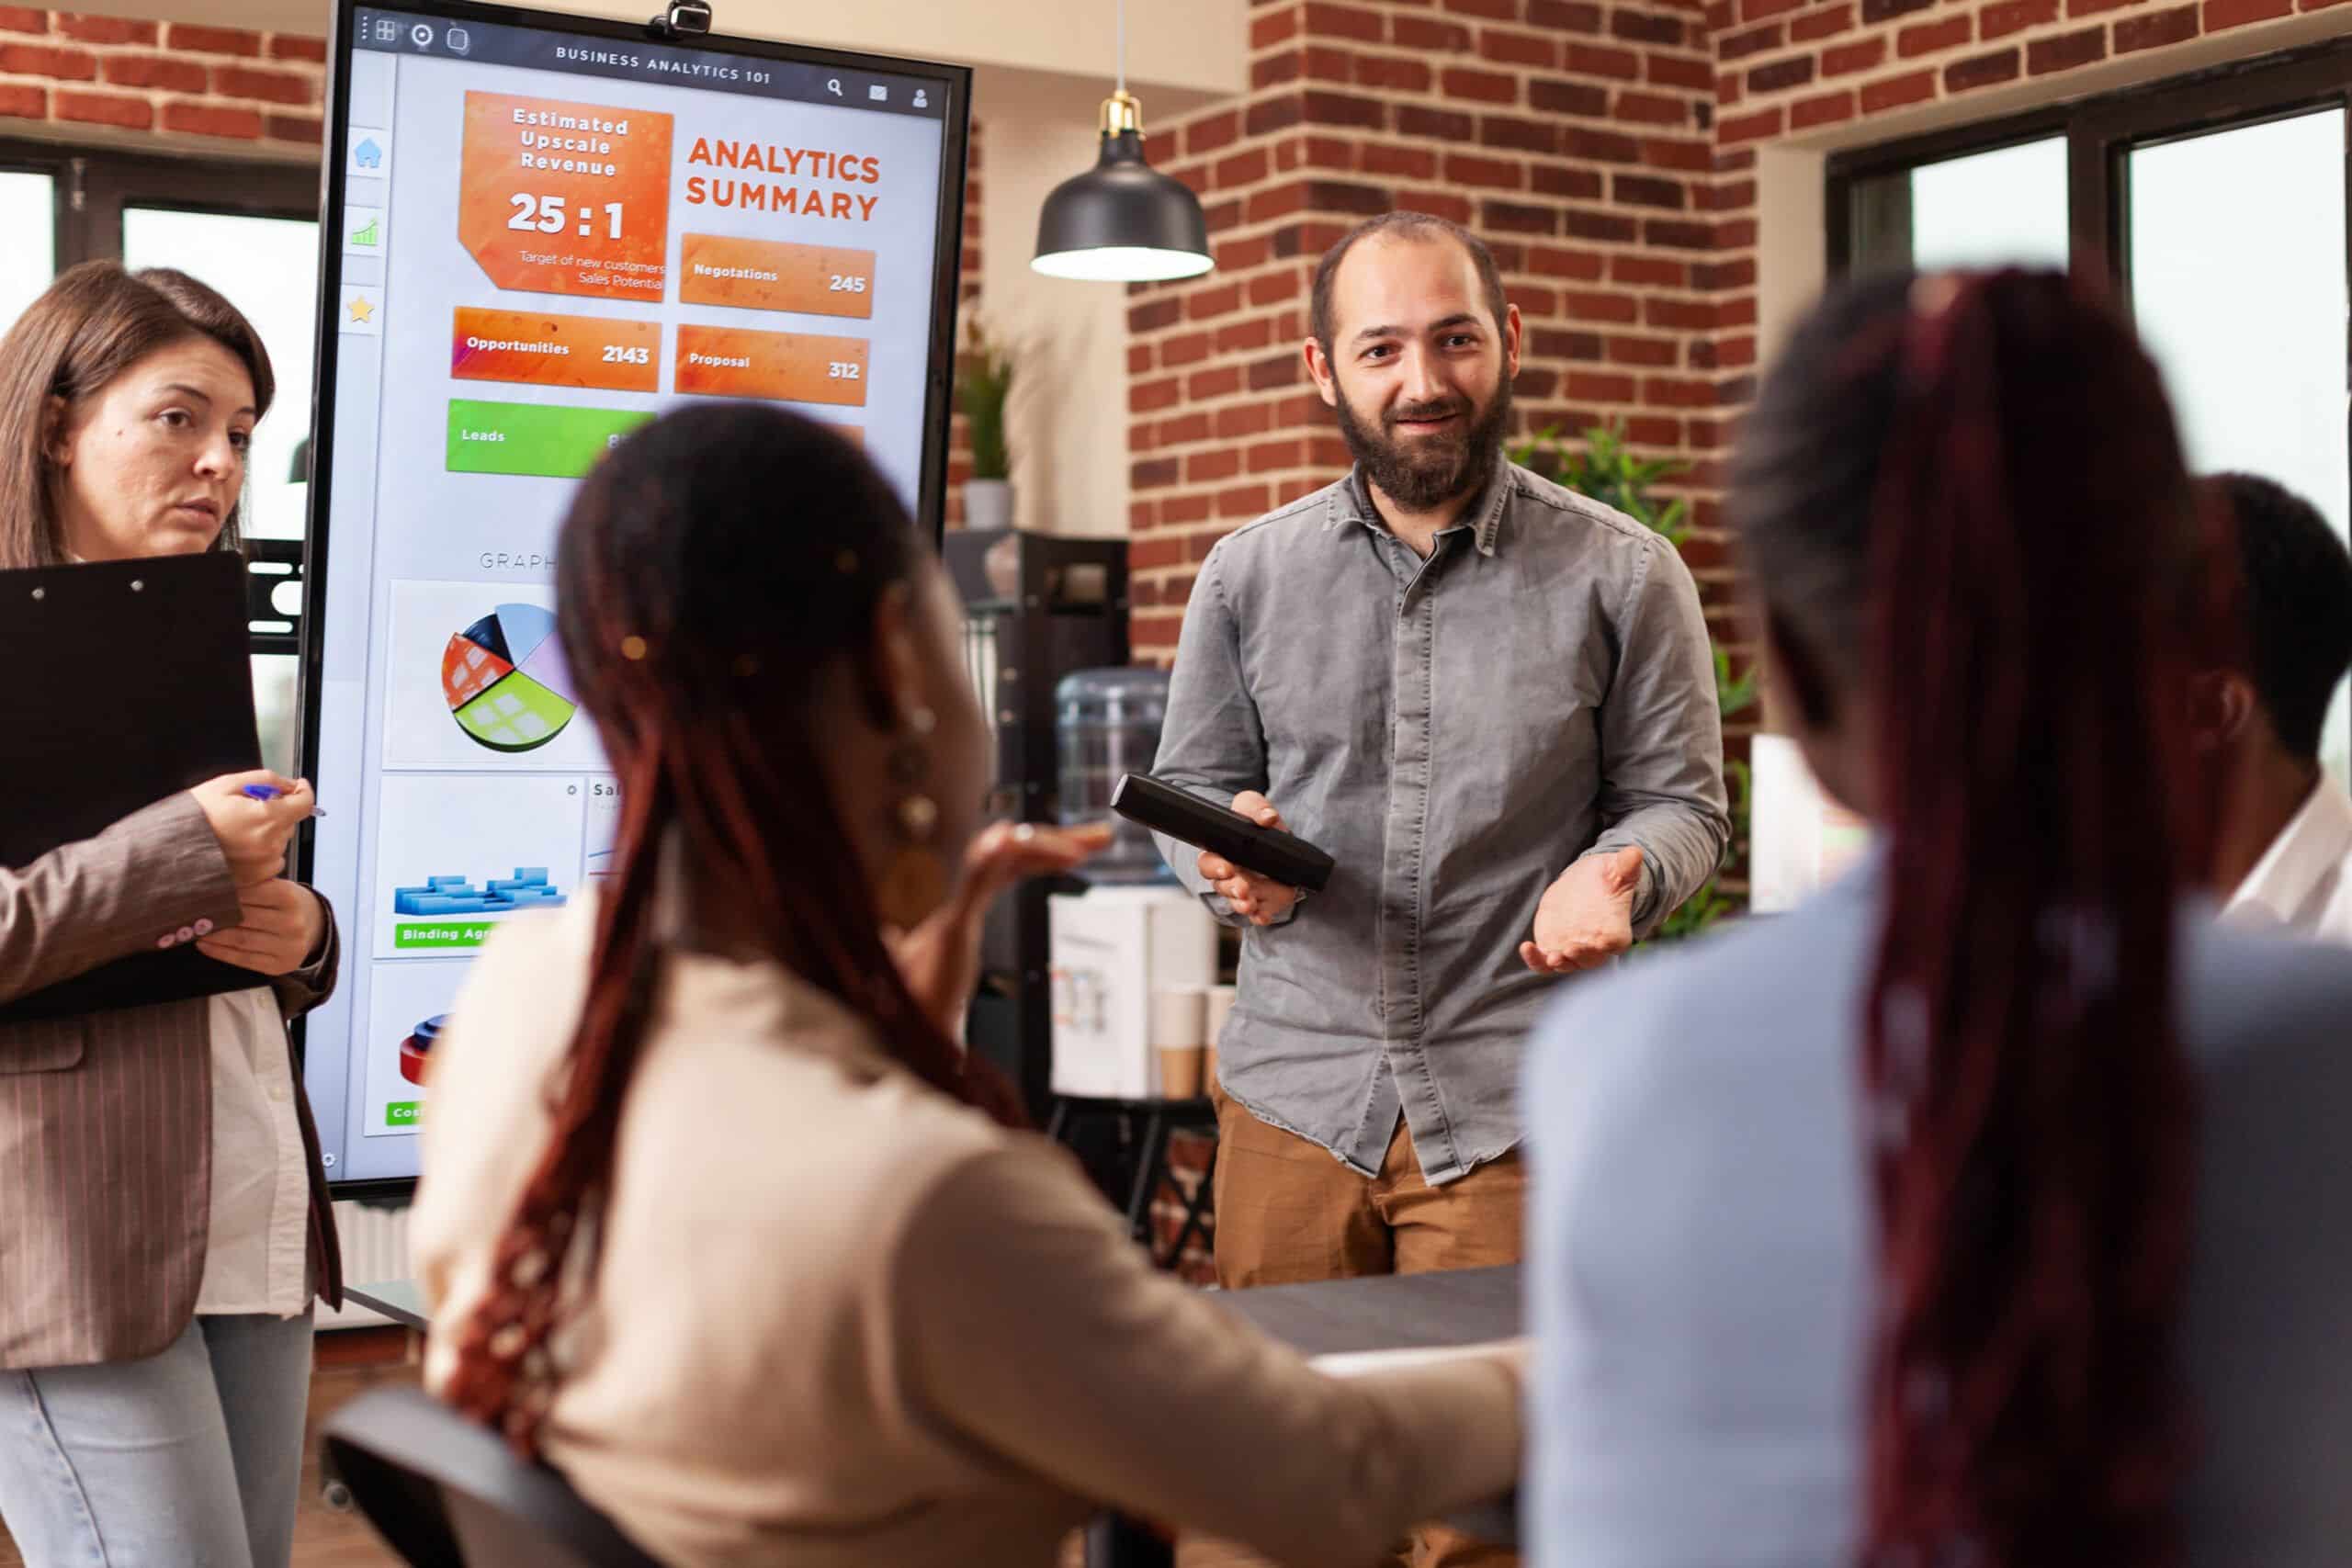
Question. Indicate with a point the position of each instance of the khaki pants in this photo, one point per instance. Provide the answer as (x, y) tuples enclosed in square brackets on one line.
[(1288, 1213)]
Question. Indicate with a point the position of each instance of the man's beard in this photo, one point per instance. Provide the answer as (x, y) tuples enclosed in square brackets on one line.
[(1422, 473)]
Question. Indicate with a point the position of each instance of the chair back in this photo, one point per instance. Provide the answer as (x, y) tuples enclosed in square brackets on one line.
[(447, 1493)]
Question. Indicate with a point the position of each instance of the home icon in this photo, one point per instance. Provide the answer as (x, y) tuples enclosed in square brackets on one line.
[(368, 156)]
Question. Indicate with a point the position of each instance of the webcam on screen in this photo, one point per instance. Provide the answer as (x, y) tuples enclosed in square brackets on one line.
[(681, 17)]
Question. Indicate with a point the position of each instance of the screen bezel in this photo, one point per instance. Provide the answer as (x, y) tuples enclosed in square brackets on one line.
[(931, 499)]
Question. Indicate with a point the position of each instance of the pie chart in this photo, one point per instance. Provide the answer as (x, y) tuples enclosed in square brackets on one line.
[(506, 680)]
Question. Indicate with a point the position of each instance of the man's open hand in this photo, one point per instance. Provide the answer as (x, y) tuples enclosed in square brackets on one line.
[(1587, 917)]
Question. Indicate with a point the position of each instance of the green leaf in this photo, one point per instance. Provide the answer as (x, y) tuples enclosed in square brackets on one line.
[(983, 382)]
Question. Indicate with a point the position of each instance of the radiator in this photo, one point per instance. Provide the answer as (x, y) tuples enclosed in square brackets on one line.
[(375, 1247)]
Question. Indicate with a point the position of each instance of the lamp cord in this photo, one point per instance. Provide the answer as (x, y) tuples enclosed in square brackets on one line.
[(1123, 45)]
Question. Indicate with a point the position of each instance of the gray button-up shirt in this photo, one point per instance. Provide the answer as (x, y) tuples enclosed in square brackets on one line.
[(1455, 731)]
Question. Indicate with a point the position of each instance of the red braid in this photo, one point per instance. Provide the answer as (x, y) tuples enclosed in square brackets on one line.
[(2031, 1107), (504, 1374), (718, 780)]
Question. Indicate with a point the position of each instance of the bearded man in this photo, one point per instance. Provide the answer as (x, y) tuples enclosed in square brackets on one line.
[(1492, 699)]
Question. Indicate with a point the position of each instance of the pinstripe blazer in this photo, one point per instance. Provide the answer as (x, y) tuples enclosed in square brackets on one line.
[(106, 1118)]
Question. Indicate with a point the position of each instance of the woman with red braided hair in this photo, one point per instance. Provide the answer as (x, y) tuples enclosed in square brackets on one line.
[(1989, 1211), (716, 1217)]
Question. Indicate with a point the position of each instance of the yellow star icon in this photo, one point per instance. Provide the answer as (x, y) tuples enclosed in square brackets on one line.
[(362, 310)]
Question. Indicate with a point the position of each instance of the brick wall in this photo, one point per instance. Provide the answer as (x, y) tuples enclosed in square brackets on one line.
[(1791, 66), (1574, 136), (1618, 191), (183, 85)]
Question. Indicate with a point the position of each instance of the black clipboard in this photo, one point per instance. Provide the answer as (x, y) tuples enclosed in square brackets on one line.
[(122, 682)]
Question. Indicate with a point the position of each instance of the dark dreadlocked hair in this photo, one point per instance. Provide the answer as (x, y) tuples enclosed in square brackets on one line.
[(1964, 497), (712, 570)]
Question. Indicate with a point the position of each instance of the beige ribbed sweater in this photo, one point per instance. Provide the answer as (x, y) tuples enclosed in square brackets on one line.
[(844, 1321)]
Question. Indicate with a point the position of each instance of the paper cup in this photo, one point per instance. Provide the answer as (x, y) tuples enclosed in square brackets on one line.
[(1179, 1071), (1176, 1016)]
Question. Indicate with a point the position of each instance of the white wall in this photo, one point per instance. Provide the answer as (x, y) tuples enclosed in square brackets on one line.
[(1067, 423), (1195, 45), (1792, 241)]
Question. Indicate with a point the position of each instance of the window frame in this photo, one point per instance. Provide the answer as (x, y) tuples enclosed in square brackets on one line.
[(2101, 132), (92, 186)]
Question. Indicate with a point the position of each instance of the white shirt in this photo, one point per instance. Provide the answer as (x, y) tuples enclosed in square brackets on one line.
[(2303, 881), (257, 1259)]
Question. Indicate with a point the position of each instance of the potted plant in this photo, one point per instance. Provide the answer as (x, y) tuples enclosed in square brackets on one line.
[(983, 380), (1613, 476)]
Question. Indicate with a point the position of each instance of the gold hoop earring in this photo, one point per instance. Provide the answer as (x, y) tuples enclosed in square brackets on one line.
[(915, 882)]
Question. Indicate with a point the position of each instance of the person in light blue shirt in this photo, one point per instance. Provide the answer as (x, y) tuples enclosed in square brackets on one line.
[(1990, 1209)]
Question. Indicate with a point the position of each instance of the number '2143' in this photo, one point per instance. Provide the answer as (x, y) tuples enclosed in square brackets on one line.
[(545, 214)]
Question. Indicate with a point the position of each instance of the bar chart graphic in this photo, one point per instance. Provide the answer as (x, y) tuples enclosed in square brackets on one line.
[(529, 888)]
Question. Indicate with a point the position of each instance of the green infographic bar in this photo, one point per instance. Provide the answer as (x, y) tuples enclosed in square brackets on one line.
[(541, 440)]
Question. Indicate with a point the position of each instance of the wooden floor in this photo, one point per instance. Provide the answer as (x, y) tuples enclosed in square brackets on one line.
[(352, 1361)]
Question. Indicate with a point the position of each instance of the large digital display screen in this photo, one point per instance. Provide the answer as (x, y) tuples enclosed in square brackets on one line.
[(539, 232)]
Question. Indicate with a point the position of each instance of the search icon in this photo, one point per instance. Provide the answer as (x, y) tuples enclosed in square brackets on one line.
[(833, 85)]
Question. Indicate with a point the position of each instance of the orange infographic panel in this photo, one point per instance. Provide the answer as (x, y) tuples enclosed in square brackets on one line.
[(543, 350), (560, 197), (769, 275), (731, 362)]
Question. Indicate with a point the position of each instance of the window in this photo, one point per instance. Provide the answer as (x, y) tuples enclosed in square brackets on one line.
[(2238, 248), (2005, 206), (269, 269), (251, 232), (28, 214), (2216, 204)]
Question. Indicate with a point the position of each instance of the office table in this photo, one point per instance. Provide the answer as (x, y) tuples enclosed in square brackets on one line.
[(1391, 1311), (1385, 1313)]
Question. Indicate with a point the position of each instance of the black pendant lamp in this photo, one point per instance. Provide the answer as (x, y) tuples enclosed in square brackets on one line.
[(1122, 221)]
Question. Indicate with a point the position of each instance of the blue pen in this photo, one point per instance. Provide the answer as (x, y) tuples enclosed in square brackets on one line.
[(271, 792)]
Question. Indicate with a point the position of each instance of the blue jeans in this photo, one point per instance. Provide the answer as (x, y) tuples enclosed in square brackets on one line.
[(190, 1459)]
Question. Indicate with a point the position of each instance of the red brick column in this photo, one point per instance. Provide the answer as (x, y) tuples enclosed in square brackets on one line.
[(968, 295)]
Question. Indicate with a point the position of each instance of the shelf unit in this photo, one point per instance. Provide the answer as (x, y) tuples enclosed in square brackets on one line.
[(1038, 606)]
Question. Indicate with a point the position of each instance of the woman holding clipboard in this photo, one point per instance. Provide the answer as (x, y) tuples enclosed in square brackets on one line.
[(163, 1218)]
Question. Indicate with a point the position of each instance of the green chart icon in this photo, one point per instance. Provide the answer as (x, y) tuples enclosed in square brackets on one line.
[(366, 236)]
